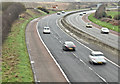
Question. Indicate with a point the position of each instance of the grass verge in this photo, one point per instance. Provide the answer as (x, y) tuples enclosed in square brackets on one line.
[(15, 59), (112, 13), (103, 24)]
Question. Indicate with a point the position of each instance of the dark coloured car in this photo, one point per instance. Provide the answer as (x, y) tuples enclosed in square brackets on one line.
[(80, 14), (69, 45), (84, 13)]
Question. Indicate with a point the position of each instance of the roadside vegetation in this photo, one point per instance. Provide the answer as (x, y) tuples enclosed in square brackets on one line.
[(109, 19), (10, 13), (15, 65), (15, 59), (112, 13), (103, 24)]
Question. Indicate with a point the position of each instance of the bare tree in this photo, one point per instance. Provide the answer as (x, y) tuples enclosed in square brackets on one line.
[(9, 16), (100, 12)]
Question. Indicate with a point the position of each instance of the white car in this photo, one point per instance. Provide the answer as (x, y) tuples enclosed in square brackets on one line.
[(46, 30), (97, 57), (63, 12), (58, 13), (105, 30), (88, 25)]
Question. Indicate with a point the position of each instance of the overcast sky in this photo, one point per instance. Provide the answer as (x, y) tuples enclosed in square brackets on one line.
[(60, 0)]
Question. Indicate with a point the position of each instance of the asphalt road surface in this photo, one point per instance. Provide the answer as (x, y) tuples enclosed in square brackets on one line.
[(75, 64), (43, 66), (76, 20)]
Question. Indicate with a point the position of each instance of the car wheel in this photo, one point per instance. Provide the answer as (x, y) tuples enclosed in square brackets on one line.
[(90, 62), (104, 63), (64, 49)]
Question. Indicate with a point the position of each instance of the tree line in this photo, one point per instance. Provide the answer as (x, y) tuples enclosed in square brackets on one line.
[(10, 12)]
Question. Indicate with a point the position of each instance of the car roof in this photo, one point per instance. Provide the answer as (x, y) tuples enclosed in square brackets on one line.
[(68, 42), (96, 52), (46, 27), (89, 23)]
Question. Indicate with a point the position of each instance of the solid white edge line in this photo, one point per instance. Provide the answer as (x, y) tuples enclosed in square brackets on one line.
[(82, 60), (74, 38), (112, 62), (30, 58), (89, 48), (52, 55)]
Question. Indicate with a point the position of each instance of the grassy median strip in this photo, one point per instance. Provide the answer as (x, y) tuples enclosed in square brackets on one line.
[(103, 24), (15, 59)]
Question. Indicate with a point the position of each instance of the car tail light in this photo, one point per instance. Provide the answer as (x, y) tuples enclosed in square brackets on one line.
[(74, 46), (66, 46)]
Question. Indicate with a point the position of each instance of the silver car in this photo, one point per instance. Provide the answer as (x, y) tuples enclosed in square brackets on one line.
[(97, 57)]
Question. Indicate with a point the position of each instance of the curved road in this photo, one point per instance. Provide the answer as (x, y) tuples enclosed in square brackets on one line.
[(76, 21), (74, 64)]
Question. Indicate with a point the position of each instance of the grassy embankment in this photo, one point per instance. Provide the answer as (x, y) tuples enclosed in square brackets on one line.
[(112, 13), (105, 24), (16, 64)]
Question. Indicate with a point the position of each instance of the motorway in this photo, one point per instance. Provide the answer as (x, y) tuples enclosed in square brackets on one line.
[(76, 20), (75, 64)]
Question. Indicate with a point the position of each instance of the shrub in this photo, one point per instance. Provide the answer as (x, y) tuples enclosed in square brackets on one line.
[(104, 14), (109, 16), (43, 9)]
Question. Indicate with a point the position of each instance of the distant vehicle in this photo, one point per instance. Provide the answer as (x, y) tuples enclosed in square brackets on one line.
[(58, 13), (63, 12), (105, 30), (46, 30), (69, 45), (97, 57), (84, 13), (80, 14), (89, 25)]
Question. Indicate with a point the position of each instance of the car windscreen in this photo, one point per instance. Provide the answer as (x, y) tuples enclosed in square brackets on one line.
[(70, 44), (46, 28), (98, 55), (89, 24)]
